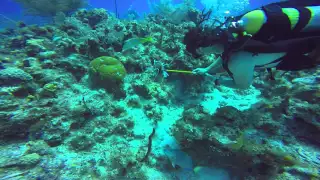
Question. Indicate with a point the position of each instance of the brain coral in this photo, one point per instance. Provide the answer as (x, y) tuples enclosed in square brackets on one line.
[(107, 69)]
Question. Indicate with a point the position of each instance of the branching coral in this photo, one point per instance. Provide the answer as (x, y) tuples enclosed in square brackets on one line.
[(50, 7)]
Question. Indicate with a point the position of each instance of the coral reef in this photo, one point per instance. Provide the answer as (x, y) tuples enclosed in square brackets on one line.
[(74, 105)]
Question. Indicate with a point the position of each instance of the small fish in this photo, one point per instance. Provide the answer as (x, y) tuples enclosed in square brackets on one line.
[(238, 144), (130, 43)]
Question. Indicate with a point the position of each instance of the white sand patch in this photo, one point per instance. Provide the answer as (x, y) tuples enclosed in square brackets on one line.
[(143, 127), (240, 99), (163, 136)]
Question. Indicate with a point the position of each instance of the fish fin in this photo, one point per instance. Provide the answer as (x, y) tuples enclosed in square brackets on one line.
[(296, 3), (296, 62), (197, 169), (144, 40)]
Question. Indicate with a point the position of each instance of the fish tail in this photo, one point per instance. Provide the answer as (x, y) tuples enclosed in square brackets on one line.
[(146, 39)]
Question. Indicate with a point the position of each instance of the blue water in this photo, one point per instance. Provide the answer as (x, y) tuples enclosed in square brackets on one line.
[(11, 9)]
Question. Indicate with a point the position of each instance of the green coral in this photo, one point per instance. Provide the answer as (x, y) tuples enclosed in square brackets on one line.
[(107, 69), (50, 87)]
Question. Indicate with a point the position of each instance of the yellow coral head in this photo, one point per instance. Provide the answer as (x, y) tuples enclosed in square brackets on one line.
[(107, 68)]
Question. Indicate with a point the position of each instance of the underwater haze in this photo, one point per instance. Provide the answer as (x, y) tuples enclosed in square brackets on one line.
[(159, 89), (14, 11)]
